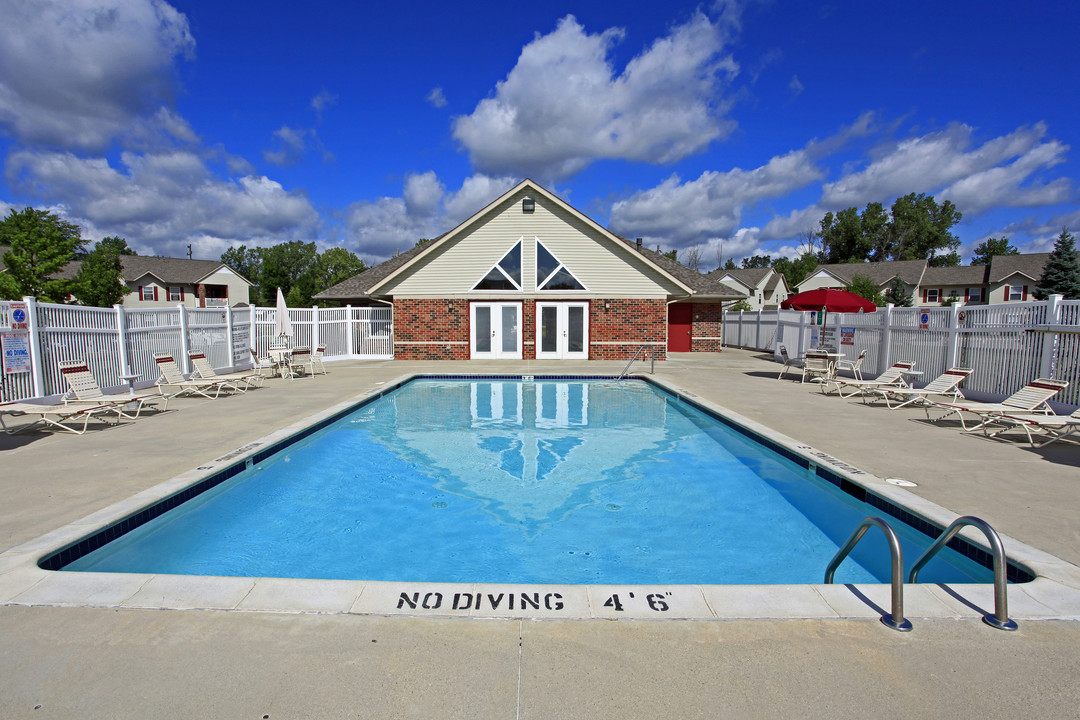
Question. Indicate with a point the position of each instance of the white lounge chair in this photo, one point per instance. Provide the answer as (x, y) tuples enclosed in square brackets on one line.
[(205, 371), (83, 389), (1057, 426), (946, 386), (317, 367), (259, 364), (853, 365), (892, 377), (56, 416), (171, 377), (1032, 399)]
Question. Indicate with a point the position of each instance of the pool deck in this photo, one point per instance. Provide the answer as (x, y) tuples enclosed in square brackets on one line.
[(264, 658)]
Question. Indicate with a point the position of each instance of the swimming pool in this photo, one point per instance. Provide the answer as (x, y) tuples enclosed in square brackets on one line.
[(549, 481)]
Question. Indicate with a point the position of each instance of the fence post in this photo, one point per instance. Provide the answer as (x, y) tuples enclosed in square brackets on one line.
[(37, 371), (229, 336), (121, 340), (886, 337), (185, 361), (757, 332), (350, 346), (1053, 317), (952, 347), (253, 339), (314, 327)]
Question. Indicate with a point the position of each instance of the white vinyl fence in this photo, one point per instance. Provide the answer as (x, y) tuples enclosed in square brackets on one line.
[(116, 341), (1006, 345)]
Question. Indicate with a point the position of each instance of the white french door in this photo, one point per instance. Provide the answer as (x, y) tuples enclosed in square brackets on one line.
[(562, 331), (496, 331)]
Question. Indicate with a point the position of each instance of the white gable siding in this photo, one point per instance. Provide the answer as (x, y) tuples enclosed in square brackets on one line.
[(603, 267), (821, 279)]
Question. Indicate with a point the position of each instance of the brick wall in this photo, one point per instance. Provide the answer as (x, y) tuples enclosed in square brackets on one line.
[(630, 324), (706, 324), (439, 329)]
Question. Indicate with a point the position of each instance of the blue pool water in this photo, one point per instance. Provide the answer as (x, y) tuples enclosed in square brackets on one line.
[(581, 482)]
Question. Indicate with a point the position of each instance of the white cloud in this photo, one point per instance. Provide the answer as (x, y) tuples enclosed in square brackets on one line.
[(664, 106), (683, 214), (436, 97), (77, 73), (389, 225), (322, 101), (795, 86), (292, 144), (998, 172), (161, 202)]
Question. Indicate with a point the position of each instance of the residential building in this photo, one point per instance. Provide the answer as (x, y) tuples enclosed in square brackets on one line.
[(764, 287), (168, 282), (529, 277)]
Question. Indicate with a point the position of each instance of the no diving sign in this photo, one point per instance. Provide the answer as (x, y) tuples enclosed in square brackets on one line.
[(19, 318), (924, 321)]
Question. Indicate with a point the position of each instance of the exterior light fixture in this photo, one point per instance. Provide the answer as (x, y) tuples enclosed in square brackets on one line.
[(607, 305), (528, 205)]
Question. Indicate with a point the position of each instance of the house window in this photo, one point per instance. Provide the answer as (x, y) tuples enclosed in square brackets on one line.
[(551, 274), (506, 275), (1016, 292), (148, 292), (974, 295), (176, 294), (932, 296)]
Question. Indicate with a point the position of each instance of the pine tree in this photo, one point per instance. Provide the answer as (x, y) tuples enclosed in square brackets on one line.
[(1061, 276)]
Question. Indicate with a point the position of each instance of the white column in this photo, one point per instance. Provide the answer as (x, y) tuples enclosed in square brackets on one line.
[(1053, 317), (37, 370), (184, 361), (314, 327)]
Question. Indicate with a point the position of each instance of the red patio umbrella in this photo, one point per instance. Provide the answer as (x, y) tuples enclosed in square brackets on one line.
[(828, 300)]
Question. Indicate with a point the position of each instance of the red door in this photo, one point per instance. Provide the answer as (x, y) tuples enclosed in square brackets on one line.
[(678, 335)]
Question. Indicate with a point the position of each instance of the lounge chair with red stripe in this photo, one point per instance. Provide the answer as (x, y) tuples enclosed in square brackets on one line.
[(945, 386), (173, 379), (205, 371), (57, 416), (1032, 399), (892, 377), (83, 389), (1056, 426)]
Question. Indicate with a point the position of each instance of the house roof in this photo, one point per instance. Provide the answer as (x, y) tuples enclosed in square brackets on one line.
[(367, 283), (1030, 265), (959, 275), (176, 271), (750, 277), (910, 271)]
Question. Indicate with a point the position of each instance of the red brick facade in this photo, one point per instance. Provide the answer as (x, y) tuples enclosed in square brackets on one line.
[(439, 329), (706, 328)]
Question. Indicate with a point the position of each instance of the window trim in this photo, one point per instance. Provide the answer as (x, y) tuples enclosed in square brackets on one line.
[(498, 266)]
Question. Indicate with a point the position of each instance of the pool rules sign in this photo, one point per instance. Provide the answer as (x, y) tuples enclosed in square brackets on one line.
[(16, 343)]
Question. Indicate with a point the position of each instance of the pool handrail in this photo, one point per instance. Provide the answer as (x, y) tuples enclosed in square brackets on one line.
[(895, 619), (1000, 618)]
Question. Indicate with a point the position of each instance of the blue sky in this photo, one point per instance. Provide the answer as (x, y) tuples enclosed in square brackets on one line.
[(729, 127)]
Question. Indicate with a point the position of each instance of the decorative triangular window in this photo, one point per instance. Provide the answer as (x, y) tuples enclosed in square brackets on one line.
[(551, 274), (506, 275)]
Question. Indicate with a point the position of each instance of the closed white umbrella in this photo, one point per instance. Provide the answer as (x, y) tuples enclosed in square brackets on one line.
[(282, 323)]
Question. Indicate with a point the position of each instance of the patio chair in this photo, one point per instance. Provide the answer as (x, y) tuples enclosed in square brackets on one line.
[(944, 385), (56, 416), (1032, 399), (788, 361), (816, 366), (892, 377), (300, 361), (853, 365), (317, 366), (171, 377), (1057, 426), (83, 389), (241, 381), (259, 364)]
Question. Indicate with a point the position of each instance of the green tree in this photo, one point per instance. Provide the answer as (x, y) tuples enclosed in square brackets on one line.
[(898, 293), (915, 228), (757, 261), (921, 229), (282, 267), (245, 262), (795, 271), (986, 250), (334, 265), (1061, 276), (864, 286), (730, 265), (99, 282), (422, 241), (739, 305), (671, 254), (41, 244)]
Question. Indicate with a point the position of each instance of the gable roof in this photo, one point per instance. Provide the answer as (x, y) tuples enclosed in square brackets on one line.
[(959, 275), (750, 277), (910, 271), (1030, 265), (369, 282), (172, 270)]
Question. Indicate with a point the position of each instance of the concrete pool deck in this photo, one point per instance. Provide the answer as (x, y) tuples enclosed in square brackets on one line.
[(119, 660)]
